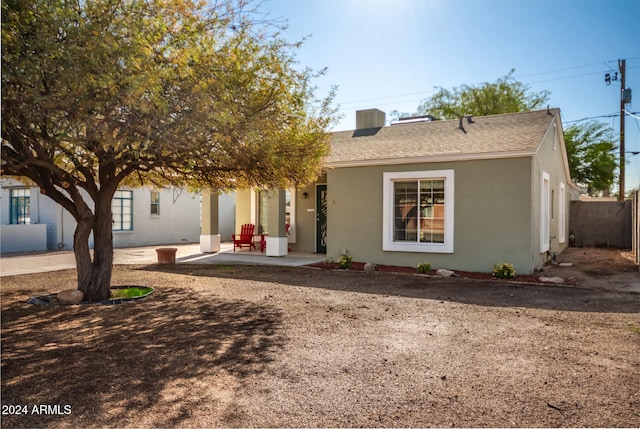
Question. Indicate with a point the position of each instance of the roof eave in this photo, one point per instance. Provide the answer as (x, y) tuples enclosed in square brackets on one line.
[(430, 159)]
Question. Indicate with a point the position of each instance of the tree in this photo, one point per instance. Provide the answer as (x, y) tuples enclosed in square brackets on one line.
[(591, 153), (506, 95), (589, 147), (104, 93)]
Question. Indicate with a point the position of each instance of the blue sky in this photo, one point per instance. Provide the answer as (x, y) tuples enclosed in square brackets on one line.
[(391, 54)]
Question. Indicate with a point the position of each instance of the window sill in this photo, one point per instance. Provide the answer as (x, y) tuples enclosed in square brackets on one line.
[(418, 247)]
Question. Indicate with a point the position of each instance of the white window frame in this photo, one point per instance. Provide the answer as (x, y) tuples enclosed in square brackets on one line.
[(562, 213), (153, 204), (388, 243), (545, 213), (119, 197), (20, 206)]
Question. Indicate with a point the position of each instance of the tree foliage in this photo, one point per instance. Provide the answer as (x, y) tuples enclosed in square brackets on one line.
[(589, 147), (103, 93), (591, 152), (506, 95)]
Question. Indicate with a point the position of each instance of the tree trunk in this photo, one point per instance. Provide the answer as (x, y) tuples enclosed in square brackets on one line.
[(94, 276)]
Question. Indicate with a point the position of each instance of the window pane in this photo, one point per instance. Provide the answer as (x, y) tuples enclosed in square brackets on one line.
[(432, 211), (263, 201), (405, 210)]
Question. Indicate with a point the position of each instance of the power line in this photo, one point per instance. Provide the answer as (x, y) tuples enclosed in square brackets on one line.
[(433, 90), (611, 115)]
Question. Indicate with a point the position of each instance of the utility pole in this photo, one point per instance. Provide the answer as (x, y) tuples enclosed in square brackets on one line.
[(622, 67)]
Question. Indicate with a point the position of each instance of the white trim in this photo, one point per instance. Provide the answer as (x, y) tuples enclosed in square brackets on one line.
[(388, 244), (293, 196), (562, 214), (545, 215), (427, 159)]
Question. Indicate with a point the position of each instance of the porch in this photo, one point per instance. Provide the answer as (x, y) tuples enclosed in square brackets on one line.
[(191, 254)]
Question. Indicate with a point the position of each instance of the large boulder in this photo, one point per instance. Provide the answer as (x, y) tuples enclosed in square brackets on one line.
[(70, 296)]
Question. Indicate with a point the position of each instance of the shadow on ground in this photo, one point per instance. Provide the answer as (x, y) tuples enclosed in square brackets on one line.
[(168, 342), (497, 293)]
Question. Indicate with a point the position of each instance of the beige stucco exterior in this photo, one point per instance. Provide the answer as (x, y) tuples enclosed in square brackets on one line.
[(499, 198), (551, 159), (496, 218), (491, 218)]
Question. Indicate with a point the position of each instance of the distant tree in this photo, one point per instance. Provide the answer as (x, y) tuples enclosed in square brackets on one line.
[(103, 93), (590, 147), (591, 152), (506, 95)]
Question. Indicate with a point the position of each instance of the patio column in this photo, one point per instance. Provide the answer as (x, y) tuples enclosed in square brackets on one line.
[(209, 233), (276, 211)]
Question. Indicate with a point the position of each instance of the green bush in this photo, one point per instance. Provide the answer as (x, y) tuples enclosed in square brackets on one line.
[(345, 262), (504, 271), (424, 267)]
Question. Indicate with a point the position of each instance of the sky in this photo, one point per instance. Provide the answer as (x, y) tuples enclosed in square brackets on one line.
[(392, 54)]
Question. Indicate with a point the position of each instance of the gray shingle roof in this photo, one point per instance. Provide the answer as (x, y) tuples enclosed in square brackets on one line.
[(513, 134)]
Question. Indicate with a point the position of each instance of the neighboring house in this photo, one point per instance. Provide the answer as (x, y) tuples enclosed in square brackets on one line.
[(141, 216), (461, 194)]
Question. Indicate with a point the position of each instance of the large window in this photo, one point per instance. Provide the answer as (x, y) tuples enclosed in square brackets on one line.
[(418, 211), (20, 206), (122, 207)]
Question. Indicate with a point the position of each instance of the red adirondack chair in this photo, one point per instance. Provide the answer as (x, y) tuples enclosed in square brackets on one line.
[(245, 238)]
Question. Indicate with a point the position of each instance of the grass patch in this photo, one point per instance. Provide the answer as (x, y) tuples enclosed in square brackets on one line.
[(130, 292)]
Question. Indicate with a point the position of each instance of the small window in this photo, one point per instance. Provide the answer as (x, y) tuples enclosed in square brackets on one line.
[(155, 203), (20, 206), (562, 207), (122, 208)]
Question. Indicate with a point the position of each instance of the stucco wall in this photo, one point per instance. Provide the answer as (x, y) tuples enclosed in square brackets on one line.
[(550, 159), (306, 219), (602, 223), (179, 219), (23, 238), (245, 209), (178, 222), (492, 215)]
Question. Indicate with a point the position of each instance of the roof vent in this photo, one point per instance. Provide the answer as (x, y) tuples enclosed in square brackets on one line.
[(414, 119), (370, 118)]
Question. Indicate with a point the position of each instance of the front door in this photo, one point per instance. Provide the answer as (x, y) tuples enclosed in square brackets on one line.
[(321, 218)]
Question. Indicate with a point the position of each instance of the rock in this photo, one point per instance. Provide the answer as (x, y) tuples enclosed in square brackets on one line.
[(70, 296), (369, 267), (566, 264), (445, 273), (556, 280)]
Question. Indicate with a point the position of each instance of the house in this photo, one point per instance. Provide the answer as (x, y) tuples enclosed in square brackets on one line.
[(142, 216), (462, 194)]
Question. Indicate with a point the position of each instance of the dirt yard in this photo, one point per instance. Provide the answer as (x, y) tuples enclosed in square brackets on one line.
[(242, 346)]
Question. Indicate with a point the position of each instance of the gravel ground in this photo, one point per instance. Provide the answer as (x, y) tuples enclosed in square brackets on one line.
[(242, 346)]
